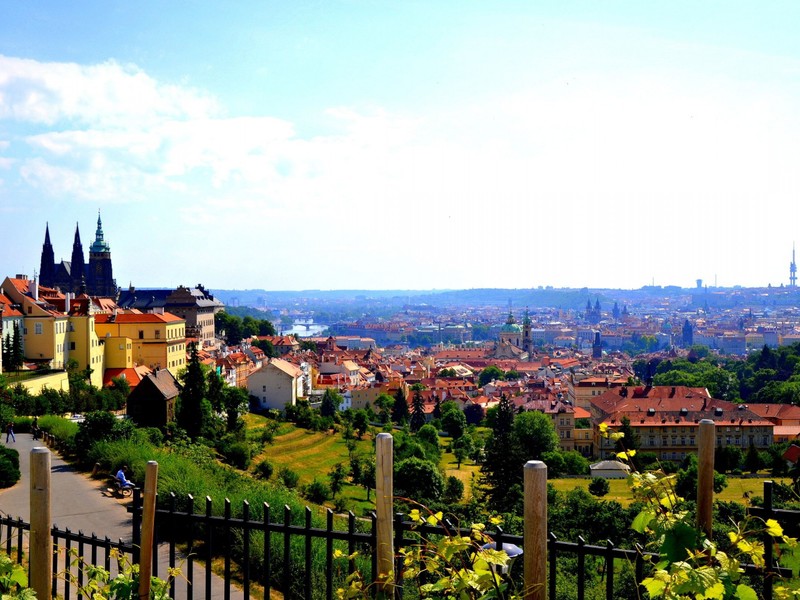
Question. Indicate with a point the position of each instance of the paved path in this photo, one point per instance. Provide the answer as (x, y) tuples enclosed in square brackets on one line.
[(81, 503), (77, 501)]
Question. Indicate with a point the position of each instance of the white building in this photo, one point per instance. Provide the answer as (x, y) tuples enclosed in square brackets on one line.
[(276, 385)]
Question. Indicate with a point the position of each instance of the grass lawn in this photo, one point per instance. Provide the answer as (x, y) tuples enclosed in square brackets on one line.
[(735, 492), (310, 454)]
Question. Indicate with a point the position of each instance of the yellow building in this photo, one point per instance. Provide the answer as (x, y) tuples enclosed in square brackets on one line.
[(85, 347), (157, 340), (45, 329)]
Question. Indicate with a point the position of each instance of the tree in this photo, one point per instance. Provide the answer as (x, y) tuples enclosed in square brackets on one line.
[(419, 480), (489, 374), (331, 401), (502, 467), (453, 489), (337, 476), (535, 434), (236, 402), (360, 423), (267, 347), (752, 460), (599, 487), (194, 412), (384, 403), (462, 448), (400, 407), (429, 438), (630, 439), (417, 408), (474, 414), (453, 420)]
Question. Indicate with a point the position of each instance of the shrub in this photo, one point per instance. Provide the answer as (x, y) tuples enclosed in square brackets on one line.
[(288, 477), (264, 469), (599, 487), (317, 491), (9, 472), (238, 454), (453, 489)]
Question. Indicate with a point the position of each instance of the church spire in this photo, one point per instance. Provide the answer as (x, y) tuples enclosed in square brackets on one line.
[(77, 264), (99, 244), (47, 264)]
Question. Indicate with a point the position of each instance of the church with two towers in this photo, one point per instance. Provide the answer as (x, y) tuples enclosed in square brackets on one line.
[(76, 276)]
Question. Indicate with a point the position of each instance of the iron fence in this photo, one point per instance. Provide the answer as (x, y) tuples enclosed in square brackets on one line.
[(295, 552)]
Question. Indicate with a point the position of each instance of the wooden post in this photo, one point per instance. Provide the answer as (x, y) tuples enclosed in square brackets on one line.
[(705, 475), (148, 528), (384, 509), (535, 534), (41, 548)]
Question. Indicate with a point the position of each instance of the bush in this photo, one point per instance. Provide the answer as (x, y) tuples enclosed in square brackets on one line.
[(599, 487), (9, 472), (238, 455), (453, 489), (10, 454), (264, 469), (317, 492), (288, 477)]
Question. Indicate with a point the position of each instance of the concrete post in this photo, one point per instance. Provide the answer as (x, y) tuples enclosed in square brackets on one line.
[(41, 541), (384, 507), (705, 475), (148, 529), (535, 535)]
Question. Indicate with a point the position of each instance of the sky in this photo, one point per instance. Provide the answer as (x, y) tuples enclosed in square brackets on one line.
[(404, 145)]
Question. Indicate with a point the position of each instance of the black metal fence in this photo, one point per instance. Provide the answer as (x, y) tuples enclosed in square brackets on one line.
[(251, 555)]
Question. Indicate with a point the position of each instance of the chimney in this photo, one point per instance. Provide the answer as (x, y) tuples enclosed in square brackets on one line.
[(35, 290)]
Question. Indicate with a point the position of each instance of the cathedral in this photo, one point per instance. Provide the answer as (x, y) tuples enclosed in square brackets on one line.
[(94, 278)]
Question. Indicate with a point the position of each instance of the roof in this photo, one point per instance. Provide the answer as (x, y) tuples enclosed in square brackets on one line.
[(285, 366), (165, 382), (137, 318), (609, 465)]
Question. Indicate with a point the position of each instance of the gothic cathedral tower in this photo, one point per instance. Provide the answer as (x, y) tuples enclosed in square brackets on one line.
[(100, 278), (77, 270)]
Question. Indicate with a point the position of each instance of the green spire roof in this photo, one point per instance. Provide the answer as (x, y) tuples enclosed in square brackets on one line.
[(99, 244)]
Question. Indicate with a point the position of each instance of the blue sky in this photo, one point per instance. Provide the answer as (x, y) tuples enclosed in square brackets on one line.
[(300, 145)]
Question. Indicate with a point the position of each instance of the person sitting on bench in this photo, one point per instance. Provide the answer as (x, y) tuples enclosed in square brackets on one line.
[(122, 480)]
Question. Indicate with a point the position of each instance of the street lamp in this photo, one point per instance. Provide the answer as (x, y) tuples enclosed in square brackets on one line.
[(512, 550)]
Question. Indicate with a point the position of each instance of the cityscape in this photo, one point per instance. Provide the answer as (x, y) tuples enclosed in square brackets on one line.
[(420, 300)]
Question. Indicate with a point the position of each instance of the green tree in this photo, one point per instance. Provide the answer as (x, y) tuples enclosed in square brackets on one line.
[(535, 434), (400, 407), (489, 374), (331, 401), (502, 466), (752, 460), (360, 422), (419, 480), (336, 477), (236, 403), (384, 403), (194, 411), (453, 420), (599, 487), (417, 408), (453, 489), (463, 448)]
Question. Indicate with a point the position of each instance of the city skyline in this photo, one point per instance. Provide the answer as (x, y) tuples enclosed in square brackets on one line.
[(357, 145)]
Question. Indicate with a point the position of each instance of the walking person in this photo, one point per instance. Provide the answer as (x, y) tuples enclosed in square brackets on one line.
[(10, 432)]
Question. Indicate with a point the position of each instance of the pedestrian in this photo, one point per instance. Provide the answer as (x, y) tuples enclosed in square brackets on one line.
[(10, 432)]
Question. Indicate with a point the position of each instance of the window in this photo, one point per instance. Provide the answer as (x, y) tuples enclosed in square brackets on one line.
[(158, 334), (72, 345), (141, 334), (37, 328)]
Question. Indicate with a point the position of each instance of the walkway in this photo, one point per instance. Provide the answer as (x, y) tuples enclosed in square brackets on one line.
[(83, 504)]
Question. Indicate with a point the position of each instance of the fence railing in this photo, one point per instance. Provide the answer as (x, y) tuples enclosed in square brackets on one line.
[(266, 548)]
